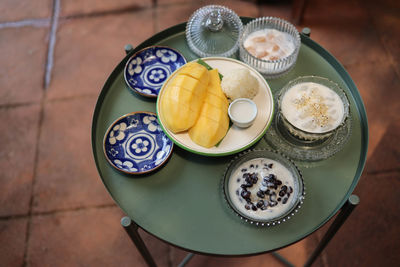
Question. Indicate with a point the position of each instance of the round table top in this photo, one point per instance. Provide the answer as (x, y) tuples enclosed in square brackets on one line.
[(182, 202)]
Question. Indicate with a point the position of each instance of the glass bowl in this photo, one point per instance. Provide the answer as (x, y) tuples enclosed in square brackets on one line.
[(279, 61), (309, 106), (263, 187), (214, 30)]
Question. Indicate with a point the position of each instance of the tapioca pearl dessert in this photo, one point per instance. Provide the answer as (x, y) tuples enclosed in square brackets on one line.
[(312, 107), (269, 44), (262, 189)]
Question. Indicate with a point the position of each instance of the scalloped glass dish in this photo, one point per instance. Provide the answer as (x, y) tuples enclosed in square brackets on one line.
[(263, 187), (312, 108), (287, 46), (304, 151)]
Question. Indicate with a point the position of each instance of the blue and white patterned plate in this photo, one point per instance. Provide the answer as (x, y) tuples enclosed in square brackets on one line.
[(147, 70), (136, 144)]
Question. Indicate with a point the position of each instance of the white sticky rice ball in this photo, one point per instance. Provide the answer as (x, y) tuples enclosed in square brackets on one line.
[(239, 83)]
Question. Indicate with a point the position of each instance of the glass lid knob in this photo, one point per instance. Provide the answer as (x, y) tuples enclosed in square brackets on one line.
[(214, 21), (214, 31)]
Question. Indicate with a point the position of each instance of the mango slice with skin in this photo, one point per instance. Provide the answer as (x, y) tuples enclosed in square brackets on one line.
[(188, 83), (196, 71), (213, 122), (217, 101), (183, 98)]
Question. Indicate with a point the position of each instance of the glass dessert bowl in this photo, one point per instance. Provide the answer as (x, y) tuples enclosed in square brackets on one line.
[(263, 187), (270, 45), (312, 108), (214, 30)]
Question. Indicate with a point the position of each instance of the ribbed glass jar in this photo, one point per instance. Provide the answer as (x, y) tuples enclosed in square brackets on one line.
[(270, 68), (214, 31)]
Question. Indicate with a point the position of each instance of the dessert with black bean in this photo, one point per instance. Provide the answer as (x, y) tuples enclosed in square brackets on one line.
[(262, 188)]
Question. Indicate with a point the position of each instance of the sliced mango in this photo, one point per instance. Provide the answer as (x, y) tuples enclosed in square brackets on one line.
[(213, 84), (183, 97), (196, 71), (182, 113), (217, 101), (212, 112), (213, 122), (193, 100), (189, 83)]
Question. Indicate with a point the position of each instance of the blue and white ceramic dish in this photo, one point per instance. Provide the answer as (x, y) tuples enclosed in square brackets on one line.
[(147, 70), (136, 144)]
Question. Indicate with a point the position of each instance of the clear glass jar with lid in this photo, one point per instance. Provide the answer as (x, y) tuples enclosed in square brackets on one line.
[(214, 31)]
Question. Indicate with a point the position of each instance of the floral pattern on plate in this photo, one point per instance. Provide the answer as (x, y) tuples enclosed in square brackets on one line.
[(136, 144), (147, 70)]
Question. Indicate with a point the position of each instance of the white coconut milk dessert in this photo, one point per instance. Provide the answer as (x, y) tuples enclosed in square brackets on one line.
[(263, 189), (269, 44), (314, 109)]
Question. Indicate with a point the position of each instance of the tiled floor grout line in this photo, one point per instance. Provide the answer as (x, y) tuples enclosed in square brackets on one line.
[(52, 42), (46, 22), (40, 23), (54, 100), (94, 207), (60, 211), (394, 171), (105, 13), (35, 170), (17, 105), (49, 62), (69, 98)]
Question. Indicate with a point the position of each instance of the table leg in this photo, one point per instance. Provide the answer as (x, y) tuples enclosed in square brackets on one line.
[(282, 259), (132, 230), (188, 257), (346, 210)]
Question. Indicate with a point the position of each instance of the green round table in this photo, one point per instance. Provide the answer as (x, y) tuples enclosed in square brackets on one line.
[(182, 202)]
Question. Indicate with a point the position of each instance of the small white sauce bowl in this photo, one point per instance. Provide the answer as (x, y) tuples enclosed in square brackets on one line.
[(242, 112)]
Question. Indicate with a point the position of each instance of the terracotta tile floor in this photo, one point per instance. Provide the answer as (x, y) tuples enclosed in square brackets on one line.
[(56, 55)]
